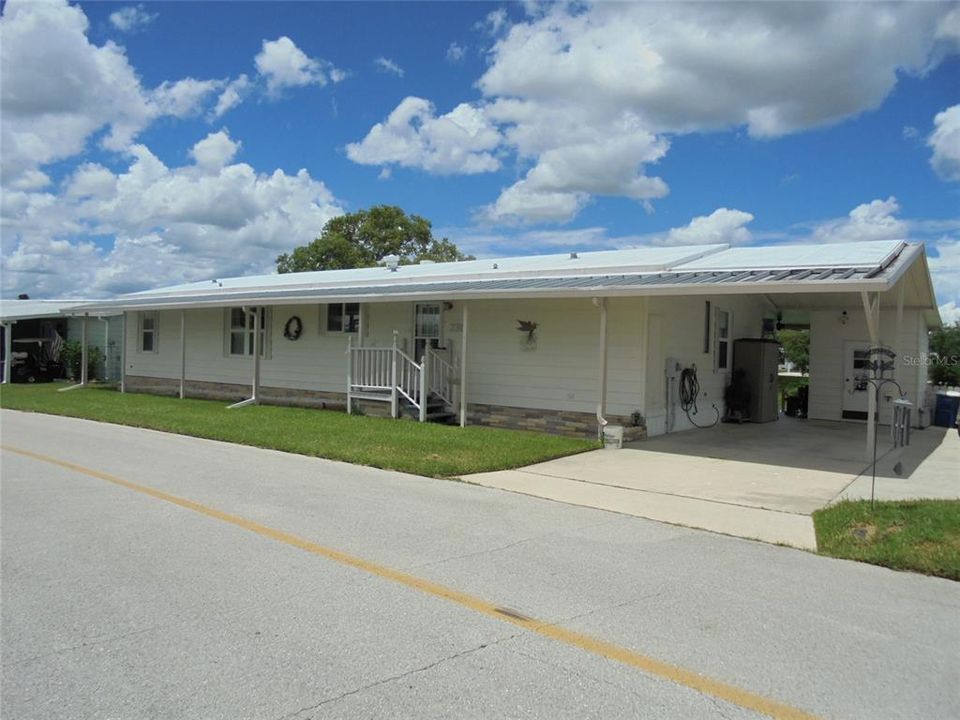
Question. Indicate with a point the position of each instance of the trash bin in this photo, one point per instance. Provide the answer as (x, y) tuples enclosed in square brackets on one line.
[(945, 413)]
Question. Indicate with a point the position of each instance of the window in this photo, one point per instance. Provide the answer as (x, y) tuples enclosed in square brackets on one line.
[(722, 358), (343, 317), (241, 331), (148, 332)]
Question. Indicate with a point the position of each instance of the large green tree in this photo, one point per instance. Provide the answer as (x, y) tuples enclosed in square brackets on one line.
[(364, 238), (796, 348), (945, 346)]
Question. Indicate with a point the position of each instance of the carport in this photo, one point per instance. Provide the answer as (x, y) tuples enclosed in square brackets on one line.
[(755, 481)]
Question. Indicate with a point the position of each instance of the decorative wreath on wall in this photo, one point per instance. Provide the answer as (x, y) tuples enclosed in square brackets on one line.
[(293, 329)]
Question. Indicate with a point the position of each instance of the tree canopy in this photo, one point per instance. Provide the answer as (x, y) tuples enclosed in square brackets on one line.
[(364, 238), (945, 347), (796, 348)]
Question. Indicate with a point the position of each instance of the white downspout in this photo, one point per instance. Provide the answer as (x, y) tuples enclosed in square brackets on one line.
[(602, 391), (255, 387), (83, 359)]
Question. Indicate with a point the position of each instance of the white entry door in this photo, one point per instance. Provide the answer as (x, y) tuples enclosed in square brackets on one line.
[(426, 328), (856, 393)]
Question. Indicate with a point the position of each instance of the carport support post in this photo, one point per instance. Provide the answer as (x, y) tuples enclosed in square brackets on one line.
[(7, 351), (183, 353), (872, 312), (83, 351), (463, 366), (106, 347)]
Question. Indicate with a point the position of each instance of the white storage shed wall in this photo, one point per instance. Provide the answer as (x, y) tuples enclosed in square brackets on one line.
[(830, 330)]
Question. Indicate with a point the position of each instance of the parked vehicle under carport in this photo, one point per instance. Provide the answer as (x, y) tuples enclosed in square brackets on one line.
[(32, 360)]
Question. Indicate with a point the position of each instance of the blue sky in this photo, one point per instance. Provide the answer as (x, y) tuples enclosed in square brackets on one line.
[(157, 143)]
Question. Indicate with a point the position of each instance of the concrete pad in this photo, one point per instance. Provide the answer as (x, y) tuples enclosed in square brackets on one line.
[(755, 481), (931, 469), (754, 523), (769, 487)]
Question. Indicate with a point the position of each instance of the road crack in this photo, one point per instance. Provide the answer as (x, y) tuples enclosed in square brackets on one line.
[(400, 676)]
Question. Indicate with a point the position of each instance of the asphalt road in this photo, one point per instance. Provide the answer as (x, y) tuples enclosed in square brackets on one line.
[(118, 602)]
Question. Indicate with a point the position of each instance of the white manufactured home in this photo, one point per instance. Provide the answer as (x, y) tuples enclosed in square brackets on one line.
[(559, 343)]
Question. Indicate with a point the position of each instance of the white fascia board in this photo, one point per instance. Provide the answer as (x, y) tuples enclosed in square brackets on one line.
[(281, 298)]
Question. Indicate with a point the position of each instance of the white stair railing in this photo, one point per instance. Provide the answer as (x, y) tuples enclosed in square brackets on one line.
[(386, 373), (442, 377)]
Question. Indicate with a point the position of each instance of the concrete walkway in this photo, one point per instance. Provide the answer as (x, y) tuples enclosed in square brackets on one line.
[(754, 481)]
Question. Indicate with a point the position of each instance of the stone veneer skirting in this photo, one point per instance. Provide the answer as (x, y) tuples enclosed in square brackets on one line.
[(555, 422), (233, 392)]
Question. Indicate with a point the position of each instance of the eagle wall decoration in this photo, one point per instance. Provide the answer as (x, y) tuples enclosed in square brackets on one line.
[(529, 327)]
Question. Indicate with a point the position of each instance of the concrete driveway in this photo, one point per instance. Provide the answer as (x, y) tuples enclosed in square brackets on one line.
[(753, 481)]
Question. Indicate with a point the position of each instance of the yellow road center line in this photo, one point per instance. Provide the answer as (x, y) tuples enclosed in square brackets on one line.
[(652, 666)]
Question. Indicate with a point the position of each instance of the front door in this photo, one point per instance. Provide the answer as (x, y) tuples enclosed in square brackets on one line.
[(426, 328), (856, 393)]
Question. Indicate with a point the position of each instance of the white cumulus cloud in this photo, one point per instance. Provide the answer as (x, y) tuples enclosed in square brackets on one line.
[(50, 116), (170, 225), (132, 18), (875, 220), (413, 135), (945, 141), (721, 226), (214, 151), (578, 81), (282, 64)]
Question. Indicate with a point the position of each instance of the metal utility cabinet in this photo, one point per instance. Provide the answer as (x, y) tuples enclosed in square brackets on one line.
[(759, 361)]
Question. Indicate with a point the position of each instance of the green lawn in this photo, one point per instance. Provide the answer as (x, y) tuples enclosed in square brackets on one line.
[(918, 535), (420, 448)]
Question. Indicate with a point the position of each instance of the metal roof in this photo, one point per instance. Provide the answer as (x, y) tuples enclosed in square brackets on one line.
[(13, 310), (825, 269)]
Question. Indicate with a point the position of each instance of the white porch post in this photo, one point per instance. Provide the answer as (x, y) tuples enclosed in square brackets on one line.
[(361, 324), (83, 351), (394, 399), (872, 312), (183, 354), (7, 350), (123, 356), (463, 366), (424, 385), (256, 355), (349, 374), (602, 389), (898, 339)]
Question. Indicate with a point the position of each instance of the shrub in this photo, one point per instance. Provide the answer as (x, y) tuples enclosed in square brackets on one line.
[(72, 354)]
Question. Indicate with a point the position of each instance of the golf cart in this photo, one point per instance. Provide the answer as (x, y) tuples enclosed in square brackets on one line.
[(33, 360)]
